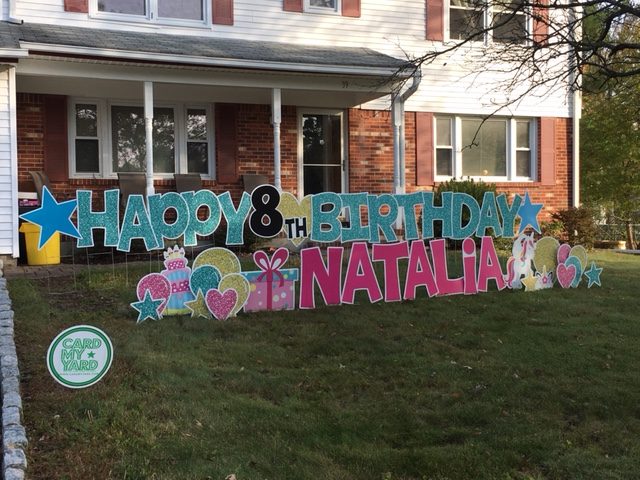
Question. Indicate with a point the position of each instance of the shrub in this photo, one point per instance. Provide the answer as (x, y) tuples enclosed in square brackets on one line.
[(578, 225), (553, 229), (468, 186)]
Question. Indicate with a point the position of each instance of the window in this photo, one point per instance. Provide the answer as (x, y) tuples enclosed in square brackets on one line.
[(321, 152), (128, 138), (106, 138), (162, 10), (197, 141), (444, 147), (87, 142), (503, 21), (497, 149), (322, 6)]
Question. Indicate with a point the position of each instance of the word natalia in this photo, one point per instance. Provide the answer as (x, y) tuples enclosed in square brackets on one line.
[(318, 218), (432, 274)]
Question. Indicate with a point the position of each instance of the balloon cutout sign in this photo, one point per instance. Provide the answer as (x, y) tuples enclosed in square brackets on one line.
[(216, 287)]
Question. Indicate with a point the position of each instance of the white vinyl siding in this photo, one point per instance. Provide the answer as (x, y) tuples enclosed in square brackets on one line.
[(456, 84), (8, 177)]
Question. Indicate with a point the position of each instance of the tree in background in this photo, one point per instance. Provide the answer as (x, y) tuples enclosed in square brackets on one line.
[(611, 140)]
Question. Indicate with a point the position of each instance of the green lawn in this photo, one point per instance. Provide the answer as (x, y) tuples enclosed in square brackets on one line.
[(508, 385)]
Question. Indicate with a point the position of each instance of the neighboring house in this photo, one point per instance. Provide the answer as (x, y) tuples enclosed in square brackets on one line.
[(298, 90)]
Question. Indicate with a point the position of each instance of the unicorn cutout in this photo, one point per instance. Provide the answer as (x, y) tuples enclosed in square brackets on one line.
[(519, 264)]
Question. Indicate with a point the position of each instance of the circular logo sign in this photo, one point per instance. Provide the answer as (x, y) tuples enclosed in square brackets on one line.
[(80, 356)]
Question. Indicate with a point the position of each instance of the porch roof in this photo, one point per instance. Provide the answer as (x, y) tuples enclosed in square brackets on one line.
[(222, 52)]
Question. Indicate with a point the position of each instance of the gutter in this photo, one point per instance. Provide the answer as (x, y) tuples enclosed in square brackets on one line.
[(212, 61)]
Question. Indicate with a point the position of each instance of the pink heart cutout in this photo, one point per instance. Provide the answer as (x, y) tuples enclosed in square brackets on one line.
[(563, 252), (158, 286), (565, 275), (221, 304)]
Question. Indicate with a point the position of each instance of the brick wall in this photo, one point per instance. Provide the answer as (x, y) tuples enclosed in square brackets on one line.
[(370, 142), (371, 160), (255, 150)]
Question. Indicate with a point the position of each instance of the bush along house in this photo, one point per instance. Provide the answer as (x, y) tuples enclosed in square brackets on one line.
[(312, 95)]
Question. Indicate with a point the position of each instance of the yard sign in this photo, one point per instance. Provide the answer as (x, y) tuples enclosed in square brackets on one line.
[(215, 286)]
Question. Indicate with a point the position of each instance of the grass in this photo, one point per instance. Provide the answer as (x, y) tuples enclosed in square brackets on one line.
[(507, 385)]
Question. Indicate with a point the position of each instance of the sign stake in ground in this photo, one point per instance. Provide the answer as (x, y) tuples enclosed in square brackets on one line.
[(80, 356)]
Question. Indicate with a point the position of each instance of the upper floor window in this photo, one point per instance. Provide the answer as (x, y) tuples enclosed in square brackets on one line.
[(161, 10), (502, 21), (496, 149), (322, 6)]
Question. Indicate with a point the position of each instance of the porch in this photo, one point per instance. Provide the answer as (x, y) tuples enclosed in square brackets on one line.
[(83, 114)]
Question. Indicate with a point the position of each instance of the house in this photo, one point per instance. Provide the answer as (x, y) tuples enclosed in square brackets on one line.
[(298, 90)]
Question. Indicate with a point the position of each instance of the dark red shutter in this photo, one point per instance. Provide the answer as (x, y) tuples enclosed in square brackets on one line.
[(435, 20), (56, 158), (540, 22), (80, 6), (222, 12), (424, 148), (226, 143), (351, 8), (548, 151), (292, 5)]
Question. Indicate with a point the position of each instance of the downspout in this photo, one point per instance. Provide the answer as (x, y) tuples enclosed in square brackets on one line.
[(417, 79), (399, 154), (576, 113), (398, 123), (577, 108), (12, 14)]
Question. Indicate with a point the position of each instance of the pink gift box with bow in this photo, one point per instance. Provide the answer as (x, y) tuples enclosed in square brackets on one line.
[(271, 288)]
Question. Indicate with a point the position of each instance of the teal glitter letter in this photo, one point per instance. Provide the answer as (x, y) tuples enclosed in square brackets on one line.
[(379, 222), (195, 226), (320, 217), (508, 214), (136, 224), (408, 202), (356, 231), (158, 205), (107, 219), (460, 200), (235, 218), (431, 213), (489, 217)]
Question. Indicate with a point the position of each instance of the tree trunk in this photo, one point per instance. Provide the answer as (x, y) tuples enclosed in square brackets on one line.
[(631, 241)]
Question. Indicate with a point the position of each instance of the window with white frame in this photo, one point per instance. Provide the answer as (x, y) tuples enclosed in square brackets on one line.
[(495, 149), (322, 6), (110, 137), (160, 10), (501, 21)]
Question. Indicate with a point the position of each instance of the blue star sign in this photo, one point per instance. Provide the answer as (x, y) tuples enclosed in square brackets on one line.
[(53, 217), (147, 308), (593, 274), (528, 213)]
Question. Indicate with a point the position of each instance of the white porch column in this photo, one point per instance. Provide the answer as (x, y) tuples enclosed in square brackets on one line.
[(276, 120), (148, 124)]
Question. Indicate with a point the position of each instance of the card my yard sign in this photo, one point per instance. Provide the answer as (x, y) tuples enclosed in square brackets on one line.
[(215, 286)]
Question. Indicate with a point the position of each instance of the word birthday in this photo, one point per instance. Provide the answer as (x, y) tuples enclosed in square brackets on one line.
[(215, 286)]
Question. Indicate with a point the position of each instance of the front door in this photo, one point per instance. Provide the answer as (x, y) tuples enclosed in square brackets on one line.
[(321, 151)]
